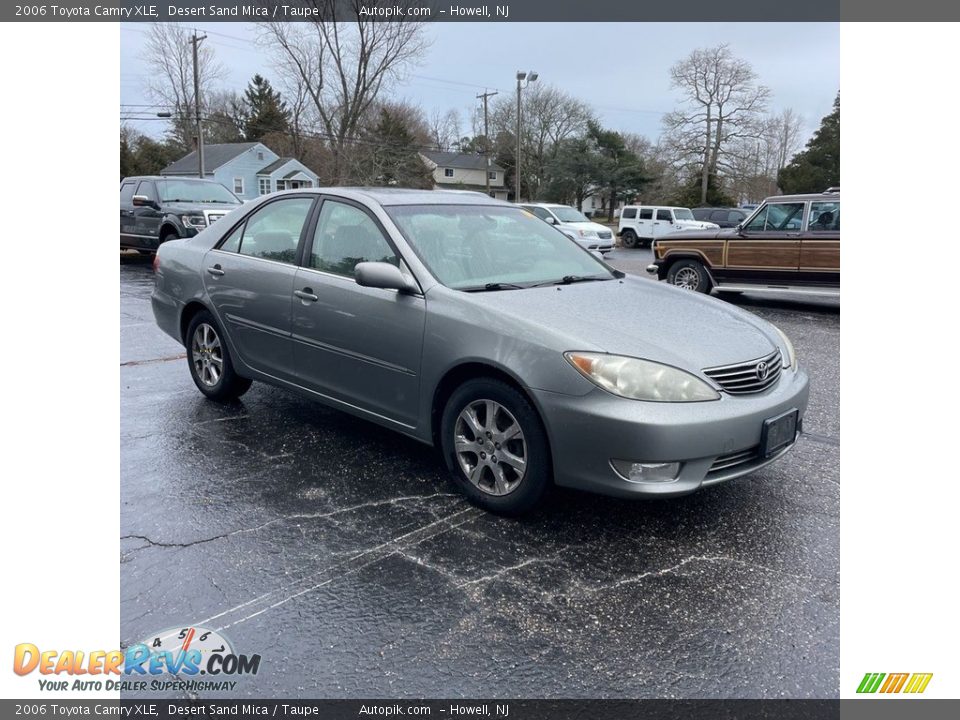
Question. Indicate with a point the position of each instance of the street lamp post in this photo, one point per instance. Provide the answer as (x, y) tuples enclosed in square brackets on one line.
[(523, 79)]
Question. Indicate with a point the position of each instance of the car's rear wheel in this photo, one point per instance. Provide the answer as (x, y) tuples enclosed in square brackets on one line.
[(629, 238), (209, 360), (497, 447), (689, 275)]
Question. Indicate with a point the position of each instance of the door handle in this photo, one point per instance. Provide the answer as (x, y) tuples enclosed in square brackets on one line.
[(216, 271), (306, 294)]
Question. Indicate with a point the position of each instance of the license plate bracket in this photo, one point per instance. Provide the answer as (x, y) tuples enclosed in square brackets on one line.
[(778, 432)]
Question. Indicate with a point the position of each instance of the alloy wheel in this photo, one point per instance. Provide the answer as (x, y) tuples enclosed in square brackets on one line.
[(207, 354), (687, 278), (490, 447)]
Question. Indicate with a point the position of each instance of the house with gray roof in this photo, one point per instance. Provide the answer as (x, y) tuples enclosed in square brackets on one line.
[(249, 169), (463, 171)]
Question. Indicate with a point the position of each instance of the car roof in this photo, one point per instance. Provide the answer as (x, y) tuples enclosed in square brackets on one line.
[(408, 196), (825, 196)]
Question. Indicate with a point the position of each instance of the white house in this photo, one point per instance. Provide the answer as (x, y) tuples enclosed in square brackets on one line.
[(249, 169), (461, 171), (594, 204)]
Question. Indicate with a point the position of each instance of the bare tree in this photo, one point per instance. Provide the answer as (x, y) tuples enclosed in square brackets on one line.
[(724, 105), (169, 58), (344, 60), (550, 116), (444, 129)]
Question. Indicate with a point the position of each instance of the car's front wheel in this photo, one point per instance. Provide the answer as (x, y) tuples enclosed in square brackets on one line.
[(497, 447), (209, 360), (689, 275)]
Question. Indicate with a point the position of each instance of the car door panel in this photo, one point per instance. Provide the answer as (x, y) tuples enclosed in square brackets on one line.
[(250, 281), (764, 247), (356, 344), (147, 218), (820, 246), (359, 345)]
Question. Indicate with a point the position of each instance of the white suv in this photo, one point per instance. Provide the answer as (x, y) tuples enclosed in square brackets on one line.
[(574, 224), (640, 225)]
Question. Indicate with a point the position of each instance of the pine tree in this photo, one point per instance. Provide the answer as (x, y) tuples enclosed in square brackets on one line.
[(266, 112), (818, 167)]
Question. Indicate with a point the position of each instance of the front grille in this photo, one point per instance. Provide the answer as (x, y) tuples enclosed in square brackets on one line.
[(727, 463), (752, 376), (605, 235)]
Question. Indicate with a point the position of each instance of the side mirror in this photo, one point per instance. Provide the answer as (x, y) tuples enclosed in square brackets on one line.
[(550, 220), (142, 201), (382, 275)]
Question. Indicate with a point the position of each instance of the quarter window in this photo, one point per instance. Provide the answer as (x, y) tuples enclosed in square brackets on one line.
[(347, 236), (777, 217), (232, 243), (273, 232), (646, 214), (824, 217)]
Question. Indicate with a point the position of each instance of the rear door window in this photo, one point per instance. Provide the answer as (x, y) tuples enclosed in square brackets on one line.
[(126, 193), (273, 232), (646, 214), (824, 217)]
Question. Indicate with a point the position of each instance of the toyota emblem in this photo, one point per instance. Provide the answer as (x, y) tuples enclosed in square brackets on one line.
[(762, 370)]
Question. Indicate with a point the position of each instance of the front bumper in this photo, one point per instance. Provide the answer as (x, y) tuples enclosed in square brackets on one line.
[(715, 441)]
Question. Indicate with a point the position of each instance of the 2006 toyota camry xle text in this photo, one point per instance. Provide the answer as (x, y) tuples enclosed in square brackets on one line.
[(470, 324)]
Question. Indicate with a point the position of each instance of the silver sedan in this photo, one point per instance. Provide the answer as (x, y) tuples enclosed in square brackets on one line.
[(472, 326)]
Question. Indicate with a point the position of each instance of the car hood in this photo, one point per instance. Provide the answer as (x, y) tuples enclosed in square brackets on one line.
[(704, 234), (596, 227), (635, 317)]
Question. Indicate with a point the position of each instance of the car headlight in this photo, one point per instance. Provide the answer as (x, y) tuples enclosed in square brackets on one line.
[(638, 379), (194, 221), (790, 357), (588, 233)]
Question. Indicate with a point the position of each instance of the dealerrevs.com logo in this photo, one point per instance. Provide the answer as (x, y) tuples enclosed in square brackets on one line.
[(908, 683), (170, 660)]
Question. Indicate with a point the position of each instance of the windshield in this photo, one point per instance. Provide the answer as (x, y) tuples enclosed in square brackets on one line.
[(194, 191), (568, 214), (473, 247), (683, 214)]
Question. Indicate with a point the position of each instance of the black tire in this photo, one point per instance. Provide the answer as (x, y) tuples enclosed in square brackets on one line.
[(689, 274), (204, 357), (524, 492), (646, 243), (168, 235), (629, 239)]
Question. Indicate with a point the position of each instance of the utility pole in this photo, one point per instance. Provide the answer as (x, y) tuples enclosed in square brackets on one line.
[(486, 133), (529, 78), (195, 41)]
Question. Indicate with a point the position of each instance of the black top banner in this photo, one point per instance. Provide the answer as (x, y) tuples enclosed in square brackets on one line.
[(192, 11)]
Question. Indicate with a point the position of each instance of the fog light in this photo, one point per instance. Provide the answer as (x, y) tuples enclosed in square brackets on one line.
[(646, 472)]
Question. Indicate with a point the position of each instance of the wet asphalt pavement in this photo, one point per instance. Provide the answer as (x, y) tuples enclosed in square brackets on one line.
[(339, 552)]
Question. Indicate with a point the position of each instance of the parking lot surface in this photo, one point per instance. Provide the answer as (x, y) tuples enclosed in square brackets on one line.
[(340, 553)]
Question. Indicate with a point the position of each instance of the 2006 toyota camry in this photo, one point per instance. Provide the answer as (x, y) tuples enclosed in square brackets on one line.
[(469, 324)]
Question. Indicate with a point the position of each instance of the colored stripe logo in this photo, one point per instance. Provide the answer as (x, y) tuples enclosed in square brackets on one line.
[(912, 683)]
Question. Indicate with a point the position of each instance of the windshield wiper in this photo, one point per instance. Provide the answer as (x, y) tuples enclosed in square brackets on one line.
[(492, 286), (570, 279)]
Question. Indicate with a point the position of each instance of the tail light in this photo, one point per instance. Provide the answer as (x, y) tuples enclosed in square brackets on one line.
[(156, 261)]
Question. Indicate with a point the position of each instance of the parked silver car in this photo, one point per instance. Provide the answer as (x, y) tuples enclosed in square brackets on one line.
[(470, 325)]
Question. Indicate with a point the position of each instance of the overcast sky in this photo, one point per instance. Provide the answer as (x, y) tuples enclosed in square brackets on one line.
[(620, 69)]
